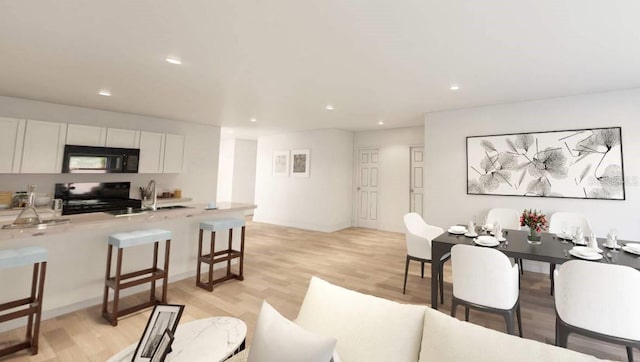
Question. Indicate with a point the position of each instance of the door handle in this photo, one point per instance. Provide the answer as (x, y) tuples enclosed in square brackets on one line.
[(411, 190), (358, 188)]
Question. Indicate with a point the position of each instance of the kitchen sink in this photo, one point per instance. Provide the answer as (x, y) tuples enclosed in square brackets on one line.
[(174, 207)]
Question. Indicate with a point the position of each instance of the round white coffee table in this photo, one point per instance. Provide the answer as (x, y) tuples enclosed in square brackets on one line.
[(210, 339)]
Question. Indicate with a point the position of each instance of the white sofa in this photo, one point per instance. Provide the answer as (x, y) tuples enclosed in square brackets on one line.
[(370, 329)]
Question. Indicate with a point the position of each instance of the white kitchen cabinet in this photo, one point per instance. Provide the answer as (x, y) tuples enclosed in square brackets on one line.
[(173, 153), (151, 152), (123, 138), (11, 138), (43, 147), (82, 135)]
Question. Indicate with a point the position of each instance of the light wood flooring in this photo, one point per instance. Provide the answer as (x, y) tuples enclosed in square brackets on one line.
[(278, 264)]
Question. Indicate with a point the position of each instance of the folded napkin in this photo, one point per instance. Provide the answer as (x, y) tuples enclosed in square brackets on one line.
[(633, 246), (585, 251)]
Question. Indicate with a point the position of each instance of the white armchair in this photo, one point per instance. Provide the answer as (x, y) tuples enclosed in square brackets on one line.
[(485, 279), (598, 300), (418, 235)]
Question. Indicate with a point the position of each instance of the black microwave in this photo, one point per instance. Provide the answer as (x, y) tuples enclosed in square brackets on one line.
[(88, 159)]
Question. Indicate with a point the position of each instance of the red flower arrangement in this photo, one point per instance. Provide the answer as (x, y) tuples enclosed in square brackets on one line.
[(534, 220)]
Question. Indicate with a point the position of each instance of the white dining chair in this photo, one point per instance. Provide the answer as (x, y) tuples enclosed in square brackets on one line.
[(485, 279), (568, 222), (418, 235), (598, 300), (508, 219)]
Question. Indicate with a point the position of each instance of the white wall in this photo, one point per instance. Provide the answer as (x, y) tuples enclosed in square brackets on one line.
[(446, 200), (225, 170), (198, 180), (393, 185), (244, 171), (321, 202)]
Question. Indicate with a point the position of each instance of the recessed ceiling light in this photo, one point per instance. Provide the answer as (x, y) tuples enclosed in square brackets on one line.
[(105, 93), (253, 120), (329, 107), (173, 60), (380, 123), (454, 87)]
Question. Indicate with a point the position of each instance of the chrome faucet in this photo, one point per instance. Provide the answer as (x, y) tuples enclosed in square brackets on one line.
[(150, 192)]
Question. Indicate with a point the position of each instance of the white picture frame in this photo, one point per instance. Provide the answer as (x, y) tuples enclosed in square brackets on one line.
[(281, 163), (300, 163)]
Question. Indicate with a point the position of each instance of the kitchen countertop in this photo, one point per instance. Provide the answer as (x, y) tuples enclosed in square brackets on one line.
[(102, 220)]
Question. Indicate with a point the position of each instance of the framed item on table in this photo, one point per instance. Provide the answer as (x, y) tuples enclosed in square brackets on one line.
[(164, 346), (163, 317)]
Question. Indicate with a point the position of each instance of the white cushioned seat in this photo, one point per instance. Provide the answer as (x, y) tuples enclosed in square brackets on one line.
[(222, 224), (367, 328), (449, 339), (139, 237), (11, 258)]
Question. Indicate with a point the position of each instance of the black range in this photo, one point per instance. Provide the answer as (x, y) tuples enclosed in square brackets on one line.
[(85, 197)]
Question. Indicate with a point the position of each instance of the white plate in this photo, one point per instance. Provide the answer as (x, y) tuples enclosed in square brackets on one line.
[(633, 246), (631, 250), (593, 256), (618, 246), (457, 232), (458, 228), (471, 235), (582, 242), (486, 241), (564, 236)]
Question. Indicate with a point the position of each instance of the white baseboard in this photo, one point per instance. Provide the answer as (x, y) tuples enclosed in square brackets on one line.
[(304, 226)]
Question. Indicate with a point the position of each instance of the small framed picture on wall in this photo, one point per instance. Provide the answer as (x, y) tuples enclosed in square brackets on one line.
[(281, 163), (300, 163)]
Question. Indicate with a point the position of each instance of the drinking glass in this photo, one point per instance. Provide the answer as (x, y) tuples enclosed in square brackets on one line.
[(56, 206)]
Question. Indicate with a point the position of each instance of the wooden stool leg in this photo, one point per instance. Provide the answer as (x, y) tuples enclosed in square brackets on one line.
[(105, 299), (165, 282), (152, 296), (241, 275), (229, 248), (116, 289), (199, 256), (213, 245), (38, 317), (34, 286)]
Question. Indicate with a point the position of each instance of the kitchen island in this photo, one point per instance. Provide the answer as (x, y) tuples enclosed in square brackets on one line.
[(78, 252)]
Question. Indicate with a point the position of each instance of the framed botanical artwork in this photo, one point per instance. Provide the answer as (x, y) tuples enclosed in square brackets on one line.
[(281, 163), (163, 317), (582, 164), (164, 346), (300, 163)]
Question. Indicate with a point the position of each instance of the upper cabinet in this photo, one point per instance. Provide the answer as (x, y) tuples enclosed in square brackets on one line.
[(151, 152), (82, 135), (123, 138), (173, 153), (43, 147), (11, 138), (28, 146)]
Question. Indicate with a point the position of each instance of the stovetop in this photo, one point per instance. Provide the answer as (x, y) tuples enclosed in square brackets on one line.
[(84, 197), (70, 207)]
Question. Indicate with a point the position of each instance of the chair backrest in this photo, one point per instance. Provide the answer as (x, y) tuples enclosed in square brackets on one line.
[(599, 297), (570, 220), (419, 235), (507, 218), (484, 276)]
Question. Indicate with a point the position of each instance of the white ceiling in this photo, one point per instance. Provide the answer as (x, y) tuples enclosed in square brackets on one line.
[(282, 61)]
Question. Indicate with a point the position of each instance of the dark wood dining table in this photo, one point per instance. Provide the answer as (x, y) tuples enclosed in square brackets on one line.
[(551, 250)]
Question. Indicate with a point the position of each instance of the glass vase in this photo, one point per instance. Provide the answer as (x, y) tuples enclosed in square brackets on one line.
[(533, 236)]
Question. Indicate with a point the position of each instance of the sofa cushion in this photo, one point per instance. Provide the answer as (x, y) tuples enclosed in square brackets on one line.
[(448, 339), (277, 339), (368, 328)]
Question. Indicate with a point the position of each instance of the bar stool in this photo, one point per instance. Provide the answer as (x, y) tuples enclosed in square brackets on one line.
[(118, 282), (227, 254), (12, 258)]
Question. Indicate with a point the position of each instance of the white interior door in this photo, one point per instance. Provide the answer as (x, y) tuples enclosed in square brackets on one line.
[(368, 167), (416, 188)]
